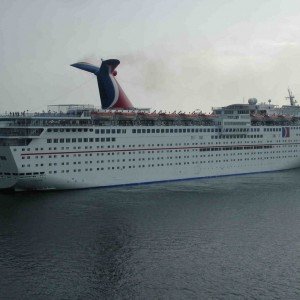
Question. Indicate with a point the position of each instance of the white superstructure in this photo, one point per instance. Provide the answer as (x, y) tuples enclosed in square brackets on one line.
[(83, 148)]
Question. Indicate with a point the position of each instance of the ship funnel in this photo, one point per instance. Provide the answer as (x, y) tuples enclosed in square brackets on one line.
[(111, 93)]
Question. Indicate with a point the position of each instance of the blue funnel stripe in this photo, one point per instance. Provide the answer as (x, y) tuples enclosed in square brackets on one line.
[(108, 87), (111, 94), (86, 67)]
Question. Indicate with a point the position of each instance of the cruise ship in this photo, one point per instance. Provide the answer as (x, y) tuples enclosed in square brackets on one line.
[(81, 146)]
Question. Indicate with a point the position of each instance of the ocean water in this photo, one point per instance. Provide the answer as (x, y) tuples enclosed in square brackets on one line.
[(223, 238)]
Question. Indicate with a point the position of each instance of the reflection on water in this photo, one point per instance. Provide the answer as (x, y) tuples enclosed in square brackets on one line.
[(223, 238)]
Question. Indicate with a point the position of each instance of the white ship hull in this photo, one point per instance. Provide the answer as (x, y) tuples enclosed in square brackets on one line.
[(131, 158)]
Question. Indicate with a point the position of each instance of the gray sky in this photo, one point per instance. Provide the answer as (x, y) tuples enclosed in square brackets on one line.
[(175, 55)]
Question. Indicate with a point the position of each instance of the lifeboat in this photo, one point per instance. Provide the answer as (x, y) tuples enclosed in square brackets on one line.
[(147, 116), (125, 115), (104, 115), (168, 117), (184, 116)]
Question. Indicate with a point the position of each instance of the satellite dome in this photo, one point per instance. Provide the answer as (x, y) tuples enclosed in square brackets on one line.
[(252, 101)]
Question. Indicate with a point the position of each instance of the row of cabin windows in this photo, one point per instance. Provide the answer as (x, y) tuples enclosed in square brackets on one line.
[(176, 130), (97, 140), (70, 130), (236, 136), (23, 174), (172, 130), (170, 151), (102, 131), (153, 145), (158, 158), (167, 158), (81, 140), (186, 157), (165, 130), (184, 130), (272, 129)]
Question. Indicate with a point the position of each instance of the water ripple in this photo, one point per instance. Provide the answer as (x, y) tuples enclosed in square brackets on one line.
[(221, 238)]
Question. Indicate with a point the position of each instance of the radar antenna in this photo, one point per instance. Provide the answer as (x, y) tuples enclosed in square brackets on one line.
[(291, 97)]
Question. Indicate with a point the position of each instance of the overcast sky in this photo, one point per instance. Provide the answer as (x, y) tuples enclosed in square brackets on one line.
[(175, 55)]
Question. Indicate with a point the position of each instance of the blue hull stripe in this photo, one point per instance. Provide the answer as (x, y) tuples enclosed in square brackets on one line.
[(191, 178)]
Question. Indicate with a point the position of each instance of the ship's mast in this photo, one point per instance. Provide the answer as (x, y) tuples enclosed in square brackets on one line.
[(291, 97)]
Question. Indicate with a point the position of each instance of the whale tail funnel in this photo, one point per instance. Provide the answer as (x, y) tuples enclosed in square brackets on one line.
[(111, 93)]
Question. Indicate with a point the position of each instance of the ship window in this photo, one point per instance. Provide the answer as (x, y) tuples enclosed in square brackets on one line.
[(68, 130), (62, 140), (48, 141), (157, 130), (55, 141), (85, 129), (91, 130), (143, 130), (91, 140), (108, 139), (79, 130), (184, 130), (113, 131), (107, 130), (180, 130), (118, 130), (67, 140), (96, 139), (133, 130), (80, 140), (85, 140), (113, 139), (102, 130), (148, 131), (49, 130), (102, 139), (171, 130), (73, 130), (139, 131)]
